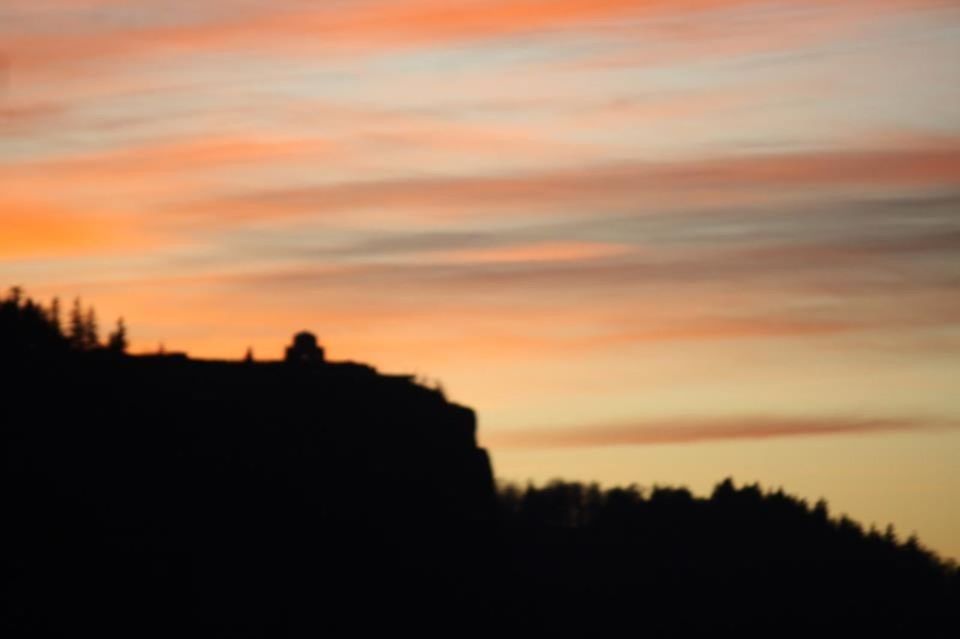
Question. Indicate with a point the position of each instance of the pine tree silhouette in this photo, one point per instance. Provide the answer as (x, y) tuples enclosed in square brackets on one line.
[(54, 315), (117, 341), (77, 333), (91, 331)]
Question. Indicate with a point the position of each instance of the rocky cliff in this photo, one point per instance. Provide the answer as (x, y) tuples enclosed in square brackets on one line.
[(233, 486)]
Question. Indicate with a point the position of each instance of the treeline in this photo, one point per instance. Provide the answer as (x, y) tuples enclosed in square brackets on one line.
[(746, 511), (29, 327), (743, 561)]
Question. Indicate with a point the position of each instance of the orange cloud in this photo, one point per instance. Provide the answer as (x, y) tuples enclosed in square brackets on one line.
[(486, 343), (371, 23), (692, 431), (31, 230), (625, 183), (906, 167), (538, 252), (355, 139), (129, 177), (356, 23)]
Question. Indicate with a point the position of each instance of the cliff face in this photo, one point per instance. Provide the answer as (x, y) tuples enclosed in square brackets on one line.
[(226, 482), (337, 439)]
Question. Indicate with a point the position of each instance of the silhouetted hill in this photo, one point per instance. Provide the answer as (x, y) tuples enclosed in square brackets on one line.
[(741, 561), (165, 496)]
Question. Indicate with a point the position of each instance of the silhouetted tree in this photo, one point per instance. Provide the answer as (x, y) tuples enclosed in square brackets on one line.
[(16, 296), (890, 534), (27, 328), (821, 511), (91, 330), (117, 341), (54, 315), (77, 333)]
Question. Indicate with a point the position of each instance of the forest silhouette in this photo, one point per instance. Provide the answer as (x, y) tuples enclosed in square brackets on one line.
[(159, 495)]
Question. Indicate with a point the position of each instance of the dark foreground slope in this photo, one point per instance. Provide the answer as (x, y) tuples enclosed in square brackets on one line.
[(161, 496), (180, 491)]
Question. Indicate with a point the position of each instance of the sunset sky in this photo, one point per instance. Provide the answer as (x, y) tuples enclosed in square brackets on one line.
[(650, 241)]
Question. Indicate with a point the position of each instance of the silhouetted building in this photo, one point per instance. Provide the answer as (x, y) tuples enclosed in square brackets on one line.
[(305, 350)]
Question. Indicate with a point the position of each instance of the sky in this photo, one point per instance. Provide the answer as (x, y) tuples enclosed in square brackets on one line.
[(649, 241)]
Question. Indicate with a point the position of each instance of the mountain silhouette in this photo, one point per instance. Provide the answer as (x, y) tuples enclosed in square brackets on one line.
[(160, 495)]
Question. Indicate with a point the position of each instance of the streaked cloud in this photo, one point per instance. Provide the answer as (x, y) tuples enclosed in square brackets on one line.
[(335, 23), (689, 431), (597, 209), (707, 181), (542, 252), (289, 23), (20, 116)]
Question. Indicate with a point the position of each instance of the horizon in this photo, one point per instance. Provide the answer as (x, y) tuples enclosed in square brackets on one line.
[(648, 242)]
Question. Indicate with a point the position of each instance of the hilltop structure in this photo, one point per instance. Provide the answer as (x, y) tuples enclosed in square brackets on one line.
[(305, 350)]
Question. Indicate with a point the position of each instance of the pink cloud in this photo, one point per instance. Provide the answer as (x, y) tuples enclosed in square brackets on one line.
[(535, 252), (688, 431), (371, 24), (713, 180)]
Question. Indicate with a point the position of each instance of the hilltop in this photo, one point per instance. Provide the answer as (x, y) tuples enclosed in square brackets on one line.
[(161, 495)]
